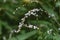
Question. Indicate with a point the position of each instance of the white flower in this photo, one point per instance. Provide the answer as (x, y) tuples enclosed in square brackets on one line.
[(52, 15), (20, 25), (27, 14), (49, 16), (36, 15), (33, 13), (4, 1), (17, 31), (13, 12), (18, 7), (35, 10), (30, 26), (4, 38), (29, 11), (35, 27), (49, 31), (58, 28), (23, 19)]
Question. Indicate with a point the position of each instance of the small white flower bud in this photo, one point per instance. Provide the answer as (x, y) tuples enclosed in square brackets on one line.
[(33, 13), (4, 1), (4, 38), (49, 31), (58, 28), (18, 7), (19, 23), (52, 15), (35, 27), (20, 26), (29, 11), (30, 26), (17, 31), (13, 12), (26, 16), (36, 9), (36, 15), (23, 19), (49, 16)]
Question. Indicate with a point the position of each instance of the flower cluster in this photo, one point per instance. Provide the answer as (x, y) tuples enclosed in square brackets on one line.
[(31, 26), (50, 31), (16, 10), (31, 12)]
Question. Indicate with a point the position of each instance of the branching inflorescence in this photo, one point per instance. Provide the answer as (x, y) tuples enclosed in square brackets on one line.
[(31, 12), (21, 24), (27, 15)]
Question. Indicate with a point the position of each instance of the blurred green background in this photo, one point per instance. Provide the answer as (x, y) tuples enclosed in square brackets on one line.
[(48, 20)]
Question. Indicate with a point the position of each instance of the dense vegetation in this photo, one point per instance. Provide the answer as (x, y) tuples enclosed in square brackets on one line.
[(29, 19)]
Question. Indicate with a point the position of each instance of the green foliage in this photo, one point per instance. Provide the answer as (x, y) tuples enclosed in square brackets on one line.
[(24, 36), (49, 18)]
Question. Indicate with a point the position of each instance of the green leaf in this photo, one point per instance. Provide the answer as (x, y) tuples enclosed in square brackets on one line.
[(39, 22), (56, 37), (49, 9), (58, 4), (13, 38), (10, 15), (25, 36), (0, 28), (5, 24)]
